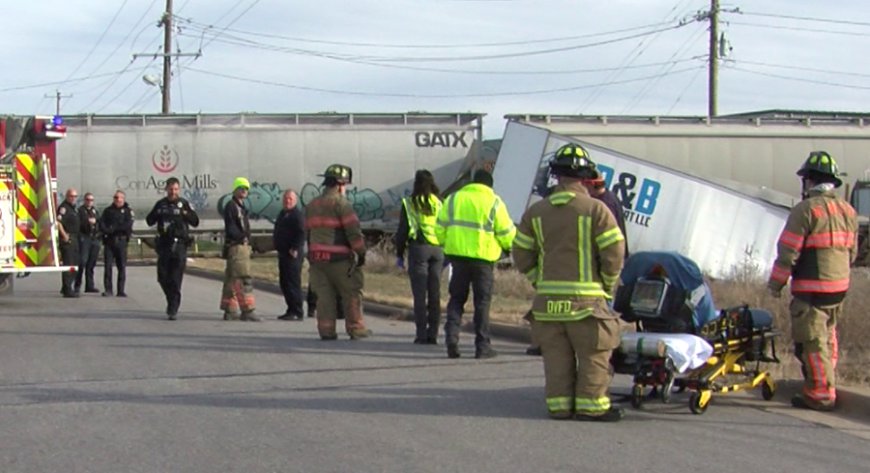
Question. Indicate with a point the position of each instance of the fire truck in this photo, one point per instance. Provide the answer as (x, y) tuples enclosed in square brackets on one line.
[(28, 189)]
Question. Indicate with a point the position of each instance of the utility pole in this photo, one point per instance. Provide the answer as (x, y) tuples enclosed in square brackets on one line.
[(167, 58), (57, 97), (714, 60), (166, 81)]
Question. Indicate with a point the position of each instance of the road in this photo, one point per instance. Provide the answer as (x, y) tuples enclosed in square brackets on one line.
[(108, 385)]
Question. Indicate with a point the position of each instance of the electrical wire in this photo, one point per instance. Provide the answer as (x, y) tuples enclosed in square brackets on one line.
[(397, 94), (802, 30), (202, 27), (685, 89), (804, 18), (804, 68), (801, 79), (99, 40), (58, 82), (129, 84)]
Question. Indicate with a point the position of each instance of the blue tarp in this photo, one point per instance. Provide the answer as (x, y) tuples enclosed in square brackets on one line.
[(681, 271)]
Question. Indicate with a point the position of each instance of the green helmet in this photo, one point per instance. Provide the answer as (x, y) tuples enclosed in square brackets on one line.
[(341, 173), (572, 160), (821, 163), (241, 182)]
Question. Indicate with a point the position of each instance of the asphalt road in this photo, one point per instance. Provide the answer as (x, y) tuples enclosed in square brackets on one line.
[(108, 385)]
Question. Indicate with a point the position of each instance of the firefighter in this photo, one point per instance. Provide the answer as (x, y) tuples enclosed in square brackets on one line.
[(416, 232), (571, 248), (69, 228), (288, 238), (336, 253), (117, 227), (173, 216), (89, 244), (815, 251), (238, 289), (474, 228)]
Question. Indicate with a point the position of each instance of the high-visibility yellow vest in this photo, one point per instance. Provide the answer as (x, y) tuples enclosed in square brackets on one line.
[(474, 223), (419, 223)]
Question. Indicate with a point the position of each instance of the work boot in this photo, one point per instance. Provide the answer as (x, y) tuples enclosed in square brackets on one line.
[(432, 340), (231, 316), (250, 316), (484, 353), (329, 338), (614, 414), (92, 290), (453, 350), (107, 294), (361, 333), (562, 415), (800, 401), (419, 341), (121, 294), (533, 350), (289, 316)]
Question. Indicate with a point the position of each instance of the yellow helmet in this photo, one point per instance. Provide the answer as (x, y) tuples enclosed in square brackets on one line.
[(241, 182)]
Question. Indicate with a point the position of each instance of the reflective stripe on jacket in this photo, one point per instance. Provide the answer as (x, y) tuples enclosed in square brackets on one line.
[(816, 248), (474, 223), (420, 221), (572, 250)]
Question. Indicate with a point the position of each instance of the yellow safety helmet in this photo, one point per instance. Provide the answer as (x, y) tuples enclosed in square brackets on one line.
[(241, 182)]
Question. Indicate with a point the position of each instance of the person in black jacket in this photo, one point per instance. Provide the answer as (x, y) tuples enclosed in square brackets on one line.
[(68, 228), (89, 244), (238, 290), (288, 238), (116, 224), (173, 216)]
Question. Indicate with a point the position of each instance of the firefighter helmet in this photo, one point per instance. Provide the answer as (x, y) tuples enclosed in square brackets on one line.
[(823, 164), (341, 173), (572, 160), (241, 182)]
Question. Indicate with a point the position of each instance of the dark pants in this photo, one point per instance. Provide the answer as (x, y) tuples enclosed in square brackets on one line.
[(69, 256), (171, 262), (290, 279), (89, 250), (479, 275), (115, 254), (424, 269)]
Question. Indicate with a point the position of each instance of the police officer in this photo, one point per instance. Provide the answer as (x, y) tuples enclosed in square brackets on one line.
[(69, 228), (474, 228), (416, 232), (89, 244), (288, 238), (336, 252), (815, 250), (238, 289), (173, 216), (571, 248), (117, 227)]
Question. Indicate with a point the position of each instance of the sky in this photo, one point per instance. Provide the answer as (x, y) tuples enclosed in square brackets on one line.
[(615, 57)]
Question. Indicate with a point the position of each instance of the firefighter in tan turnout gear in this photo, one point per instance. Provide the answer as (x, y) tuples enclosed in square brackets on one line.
[(336, 251), (815, 250), (571, 248)]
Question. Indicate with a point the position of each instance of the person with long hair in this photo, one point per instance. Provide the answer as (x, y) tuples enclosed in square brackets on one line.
[(416, 233)]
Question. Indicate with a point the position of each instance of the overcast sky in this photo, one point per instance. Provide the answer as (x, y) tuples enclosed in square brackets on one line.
[(488, 56)]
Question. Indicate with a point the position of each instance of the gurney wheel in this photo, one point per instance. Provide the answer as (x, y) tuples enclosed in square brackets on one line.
[(768, 389), (637, 396), (695, 403)]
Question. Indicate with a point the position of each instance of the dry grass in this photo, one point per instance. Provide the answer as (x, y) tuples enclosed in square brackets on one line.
[(387, 284)]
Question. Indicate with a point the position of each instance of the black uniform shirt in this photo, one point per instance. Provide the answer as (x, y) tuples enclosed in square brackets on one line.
[(117, 222), (87, 228), (69, 218), (173, 220), (289, 233)]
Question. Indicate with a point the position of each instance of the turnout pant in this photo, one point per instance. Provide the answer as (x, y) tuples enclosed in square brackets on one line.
[(89, 250), (290, 279), (69, 255), (477, 274), (331, 280), (814, 331), (238, 290), (424, 270), (115, 254), (171, 261), (577, 363)]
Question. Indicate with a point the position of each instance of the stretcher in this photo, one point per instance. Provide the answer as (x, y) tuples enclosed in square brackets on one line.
[(681, 341)]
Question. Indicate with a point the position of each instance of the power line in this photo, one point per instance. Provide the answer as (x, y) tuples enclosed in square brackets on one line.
[(685, 89), (804, 18), (99, 40), (58, 82), (202, 27), (396, 94), (129, 84), (795, 28), (804, 68), (802, 79)]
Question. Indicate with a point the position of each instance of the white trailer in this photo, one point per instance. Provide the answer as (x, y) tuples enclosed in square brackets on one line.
[(726, 232), (207, 151)]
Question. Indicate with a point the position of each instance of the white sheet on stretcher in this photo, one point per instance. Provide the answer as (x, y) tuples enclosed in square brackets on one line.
[(685, 351)]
